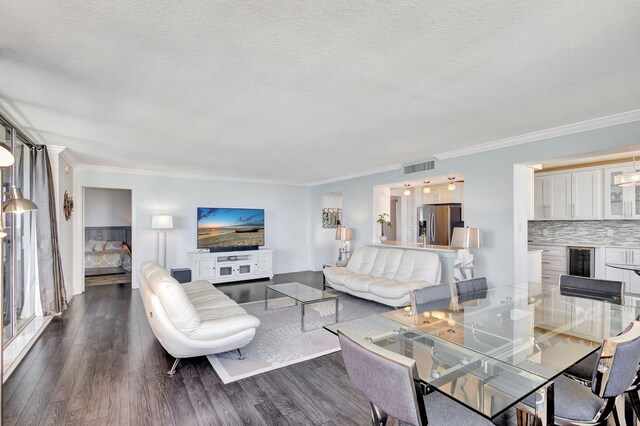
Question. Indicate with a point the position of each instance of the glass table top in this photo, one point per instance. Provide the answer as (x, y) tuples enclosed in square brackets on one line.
[(505, 342), (302, 293)]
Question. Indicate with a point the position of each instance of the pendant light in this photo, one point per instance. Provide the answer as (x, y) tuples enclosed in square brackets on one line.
[(407, 190), (16, 203), (452, 185), (425, 188), (628, 179), (6, 158)]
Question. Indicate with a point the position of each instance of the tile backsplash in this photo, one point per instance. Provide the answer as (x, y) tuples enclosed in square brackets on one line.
[(624, 232)]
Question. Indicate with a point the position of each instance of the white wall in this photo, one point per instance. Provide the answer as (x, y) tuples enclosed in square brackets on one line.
[(287, 224), (107, 207), (490, 193)]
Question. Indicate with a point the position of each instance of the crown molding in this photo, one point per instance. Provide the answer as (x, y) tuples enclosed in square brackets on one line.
[(567, 129), (388, 168), (65, 153), (149, 172)]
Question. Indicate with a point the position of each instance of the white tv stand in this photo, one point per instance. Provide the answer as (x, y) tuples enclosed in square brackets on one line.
[(228, 266)]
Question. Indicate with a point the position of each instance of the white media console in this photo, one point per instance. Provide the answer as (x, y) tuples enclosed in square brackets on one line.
[(230, 266)]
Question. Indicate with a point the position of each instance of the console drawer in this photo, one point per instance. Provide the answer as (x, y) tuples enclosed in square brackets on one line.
[(551, 263)]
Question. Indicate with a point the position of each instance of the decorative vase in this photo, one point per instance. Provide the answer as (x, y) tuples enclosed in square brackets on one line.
[(383, 238)]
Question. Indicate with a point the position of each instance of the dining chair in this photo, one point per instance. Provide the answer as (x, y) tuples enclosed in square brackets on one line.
[(390, 382), (582, 372), (571, 285), (430, 298), (613, 374), (473, 289)]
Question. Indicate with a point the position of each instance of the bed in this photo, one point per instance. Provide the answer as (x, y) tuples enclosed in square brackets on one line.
[(107, 250)]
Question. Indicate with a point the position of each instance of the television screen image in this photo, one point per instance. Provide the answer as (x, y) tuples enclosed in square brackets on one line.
[(219, 228)]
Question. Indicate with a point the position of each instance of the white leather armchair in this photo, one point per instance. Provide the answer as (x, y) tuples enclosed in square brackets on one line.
[(385, 275), (192, 319)]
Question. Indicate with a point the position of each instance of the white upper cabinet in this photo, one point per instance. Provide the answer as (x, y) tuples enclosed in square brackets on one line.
[(552, 197), (441, 195), (620, 202), (570, 195), (586, 195), (539, 206), (557, 195)]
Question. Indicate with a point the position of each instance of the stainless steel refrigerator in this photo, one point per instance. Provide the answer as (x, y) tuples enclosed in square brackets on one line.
[(437, 222)]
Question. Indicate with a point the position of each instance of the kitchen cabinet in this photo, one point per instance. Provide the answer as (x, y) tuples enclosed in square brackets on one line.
[(554, 201), (623, 256), (621, 202), (586, 195), (575, 195), (441, 195)]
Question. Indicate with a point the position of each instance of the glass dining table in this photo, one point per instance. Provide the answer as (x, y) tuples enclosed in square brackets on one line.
[(491, 349)]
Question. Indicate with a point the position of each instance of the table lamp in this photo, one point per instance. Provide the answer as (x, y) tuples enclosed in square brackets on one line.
[(465, 238), (162, 222), (343, 234)]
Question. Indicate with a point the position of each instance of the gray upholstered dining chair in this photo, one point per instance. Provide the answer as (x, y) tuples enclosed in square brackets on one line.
[(430, 298), (582, 372), (613, 374), (390, 382), (473, 289), (571, 285)]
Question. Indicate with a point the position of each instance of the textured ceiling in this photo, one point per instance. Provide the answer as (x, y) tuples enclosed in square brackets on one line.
[(308, 90)]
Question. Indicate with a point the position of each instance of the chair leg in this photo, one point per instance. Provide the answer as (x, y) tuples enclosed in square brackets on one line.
[(173, 367), (635, 402), (524, 419), (240, 354), (378, 417), (616, 416)]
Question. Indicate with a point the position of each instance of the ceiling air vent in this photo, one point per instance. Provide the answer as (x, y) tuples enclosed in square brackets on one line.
[(419, 167)]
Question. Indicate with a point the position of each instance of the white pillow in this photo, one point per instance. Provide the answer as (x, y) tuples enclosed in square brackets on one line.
[(89, 245), (98, 245)]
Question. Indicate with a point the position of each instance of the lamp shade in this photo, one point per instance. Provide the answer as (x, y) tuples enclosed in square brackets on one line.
[(6, 157), (161, 221), (16, 203), (466, 237), (343, 234)]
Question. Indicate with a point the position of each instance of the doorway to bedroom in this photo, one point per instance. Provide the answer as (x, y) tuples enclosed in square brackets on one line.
[(107, 236)]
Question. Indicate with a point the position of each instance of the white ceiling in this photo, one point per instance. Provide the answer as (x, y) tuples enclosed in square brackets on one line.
[(311, 90)]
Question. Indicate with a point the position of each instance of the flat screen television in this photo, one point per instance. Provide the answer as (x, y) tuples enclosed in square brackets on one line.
[(230, 229)]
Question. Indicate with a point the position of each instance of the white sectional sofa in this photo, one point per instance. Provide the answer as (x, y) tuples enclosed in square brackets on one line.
[(192, 319), (385, 275)]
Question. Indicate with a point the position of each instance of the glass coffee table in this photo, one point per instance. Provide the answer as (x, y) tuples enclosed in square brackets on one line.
[(303, 295)]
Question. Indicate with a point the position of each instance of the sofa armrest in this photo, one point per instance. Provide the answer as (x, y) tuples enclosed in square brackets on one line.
[(223, 327)]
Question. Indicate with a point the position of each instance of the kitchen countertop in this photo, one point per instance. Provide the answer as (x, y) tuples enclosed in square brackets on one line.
[(595, 245), (420, 246)]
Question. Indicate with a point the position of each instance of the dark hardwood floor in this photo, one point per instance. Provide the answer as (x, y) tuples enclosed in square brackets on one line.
[(99, 363)]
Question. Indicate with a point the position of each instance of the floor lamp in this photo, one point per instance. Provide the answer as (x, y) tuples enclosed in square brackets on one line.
[(162, 222)]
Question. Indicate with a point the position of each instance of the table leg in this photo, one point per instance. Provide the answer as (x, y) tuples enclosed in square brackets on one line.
[(544, 406), (302, 317), (337, 310), (265, 297)]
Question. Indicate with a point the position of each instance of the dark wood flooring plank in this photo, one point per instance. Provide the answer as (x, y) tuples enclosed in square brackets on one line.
[(270, 387), (53, 413), (245, 409), (139, 408), (271, 415), (202, 406), (118, 413)]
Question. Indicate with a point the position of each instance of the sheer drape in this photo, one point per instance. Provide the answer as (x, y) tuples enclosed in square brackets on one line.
[(49, 265)]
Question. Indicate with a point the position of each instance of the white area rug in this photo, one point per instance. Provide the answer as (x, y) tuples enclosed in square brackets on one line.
[(279, 341)]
